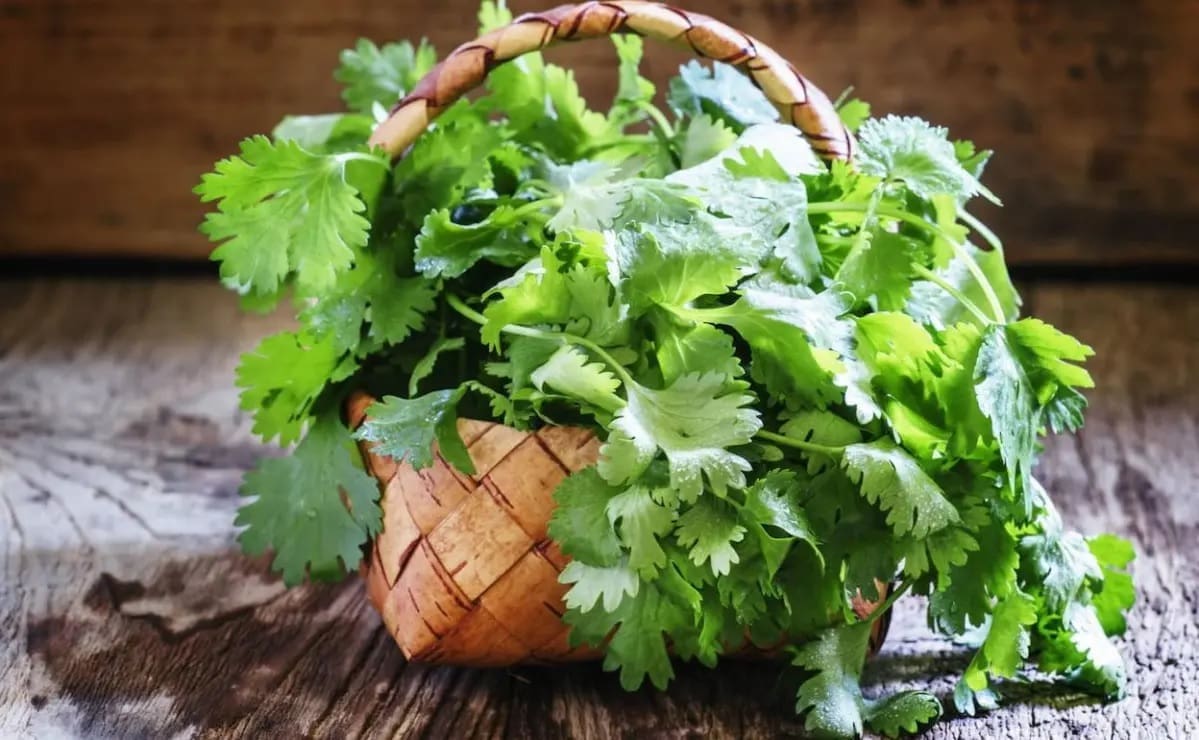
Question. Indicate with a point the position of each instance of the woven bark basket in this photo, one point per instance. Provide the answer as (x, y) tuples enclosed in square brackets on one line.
[(463, 571)]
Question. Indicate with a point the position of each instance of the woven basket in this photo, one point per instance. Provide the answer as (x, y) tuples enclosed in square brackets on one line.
[(463, 571)]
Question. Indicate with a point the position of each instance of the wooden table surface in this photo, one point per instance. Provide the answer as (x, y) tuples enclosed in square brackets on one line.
[(127, 611)]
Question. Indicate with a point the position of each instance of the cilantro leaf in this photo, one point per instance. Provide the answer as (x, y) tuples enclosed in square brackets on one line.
[(832, 697), (988, 574), (282, 378), (493, 14), (640, 521), (1116, 594), (595, 585), (1076, 645), (1005, 647), (921, 155), (930, 304), (298, 510), (375, 294), (1005, 396), (380, 76), (424, 366), (709, 529), (680, 350), (823, 428), (580, 523), (693, 422), (671, 264), (904, 712), (545, 109), (638, 648), (891, 479), (704, 138), (567, 371), (854, 113), (721, 92), (282, 210), (880, 268), (333, 132), (406, 428), (445, 163), (633, 90), (447, 249)]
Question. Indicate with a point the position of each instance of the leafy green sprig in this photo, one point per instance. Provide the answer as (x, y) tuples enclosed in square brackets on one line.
[(809, 379)]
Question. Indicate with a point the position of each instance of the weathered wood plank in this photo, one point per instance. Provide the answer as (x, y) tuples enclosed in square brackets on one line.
[(113, 108), (126, 611)]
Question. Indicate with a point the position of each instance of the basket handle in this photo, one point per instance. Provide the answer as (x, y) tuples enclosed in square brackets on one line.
[(799, 102)]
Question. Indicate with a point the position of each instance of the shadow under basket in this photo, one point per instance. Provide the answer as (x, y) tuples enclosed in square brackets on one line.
[(463, 572)]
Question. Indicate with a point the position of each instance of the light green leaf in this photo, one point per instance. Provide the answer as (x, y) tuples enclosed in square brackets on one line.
[(375, 75), (905, 712), (580, 523), (281, 379), (822, 428), (703, 139), (892, 480), (640, 521), (406, 428), (709, 529), (921, 155), (694, 422), (567, 371), (721, 92), (282, 210), (595, 585), (1005, 396), (832, 697), (446, 249), (326, 133)]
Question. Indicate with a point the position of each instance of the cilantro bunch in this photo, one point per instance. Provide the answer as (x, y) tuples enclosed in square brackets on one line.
[(809, 379)]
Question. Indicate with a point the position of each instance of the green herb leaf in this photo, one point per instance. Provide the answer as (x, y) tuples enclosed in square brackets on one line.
[(709, 530), (692, 422), (299, 513), (720, 92), (376, 76), (406, 428), (282, 210), (920, 155), (893, 481), (282, 379), (580, 523)]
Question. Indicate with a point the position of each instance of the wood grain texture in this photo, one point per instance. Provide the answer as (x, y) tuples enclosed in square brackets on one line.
[(126, 611), (113, 108)]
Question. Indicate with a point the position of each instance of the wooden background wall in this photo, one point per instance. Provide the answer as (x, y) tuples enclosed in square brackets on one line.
[(111, 109)]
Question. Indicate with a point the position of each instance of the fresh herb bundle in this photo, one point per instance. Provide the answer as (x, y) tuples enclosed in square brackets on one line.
[(809, 378)]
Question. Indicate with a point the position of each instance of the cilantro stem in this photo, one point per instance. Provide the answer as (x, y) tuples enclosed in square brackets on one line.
[(800, 444), (869, 217), (889, 602), (983, 230), (663, 127), (536, 206), (968, 304), (909, 218), (623, 141), (553, 336)]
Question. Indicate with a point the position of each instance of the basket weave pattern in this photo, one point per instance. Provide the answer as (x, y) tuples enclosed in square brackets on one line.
[(464, 571)]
